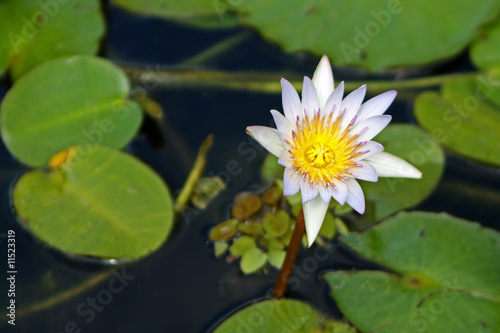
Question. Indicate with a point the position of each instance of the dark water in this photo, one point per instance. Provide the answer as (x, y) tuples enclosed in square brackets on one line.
[(182, 287)]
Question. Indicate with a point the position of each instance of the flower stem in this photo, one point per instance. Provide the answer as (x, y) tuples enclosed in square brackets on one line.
[(291, 256)]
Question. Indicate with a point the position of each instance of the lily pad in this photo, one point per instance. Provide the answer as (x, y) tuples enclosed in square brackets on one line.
[(443, 276), (463, 118), (203, 13), (32, 32), (100, 203), (420, 149), (374, 35), (273, 316), (485, 50), (253, 260), (80, 100), (252, 228), (283, 315)]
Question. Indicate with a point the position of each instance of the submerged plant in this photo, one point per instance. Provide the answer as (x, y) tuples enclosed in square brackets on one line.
[(324, 143)]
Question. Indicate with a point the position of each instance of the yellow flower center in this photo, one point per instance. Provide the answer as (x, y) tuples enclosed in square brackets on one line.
[(321, 152)]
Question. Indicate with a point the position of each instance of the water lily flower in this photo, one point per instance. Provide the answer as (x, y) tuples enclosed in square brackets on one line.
[(324, 143)]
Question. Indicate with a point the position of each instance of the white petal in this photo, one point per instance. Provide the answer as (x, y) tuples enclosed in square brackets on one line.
[(309, 97), (351, 105), (284, 125), (365, 172), (285, 159), (355, 197), (388, 165), (334, 101), (314, 214), (291, 101), (340, 193), (323, 80), (291, 182), (325, 193), (307, 191), (376, 105), (368, 149), (370, 127), (268, 138)]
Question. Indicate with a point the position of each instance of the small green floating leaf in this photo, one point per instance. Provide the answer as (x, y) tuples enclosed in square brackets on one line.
[(463, 119), (271, 170), (32, 32), (272, 243), (272, 316), (276, 258), (220, 247), (445, 276), (420, 149), (252, 228), (374, 35), (103, 203), (241, 245), (246, 207), (80, 100), (276, 224), (253, 260), (272, 196), (224, 230)]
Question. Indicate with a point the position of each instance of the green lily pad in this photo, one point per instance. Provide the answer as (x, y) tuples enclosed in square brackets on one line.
[(32, 32), (80, 100), (485, 50), (276, 224), (246, 207), (443, 276), (420, 149), (241, 245), (103, 203), (276, 258), (224, 230), (273, 316), (253, 260), (374, 35), (463, 118), (203, 13)]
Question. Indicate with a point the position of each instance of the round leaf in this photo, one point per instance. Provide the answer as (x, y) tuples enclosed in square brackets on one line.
[(374, 35), (417, 147), (33, 32), (273, 316), (276, 257), (64, 102), (462, 118), (100, 203), (252, 260), (241, 245), (444, 276)]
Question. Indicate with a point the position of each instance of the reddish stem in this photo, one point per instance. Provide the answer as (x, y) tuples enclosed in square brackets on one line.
[(291, 256)]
